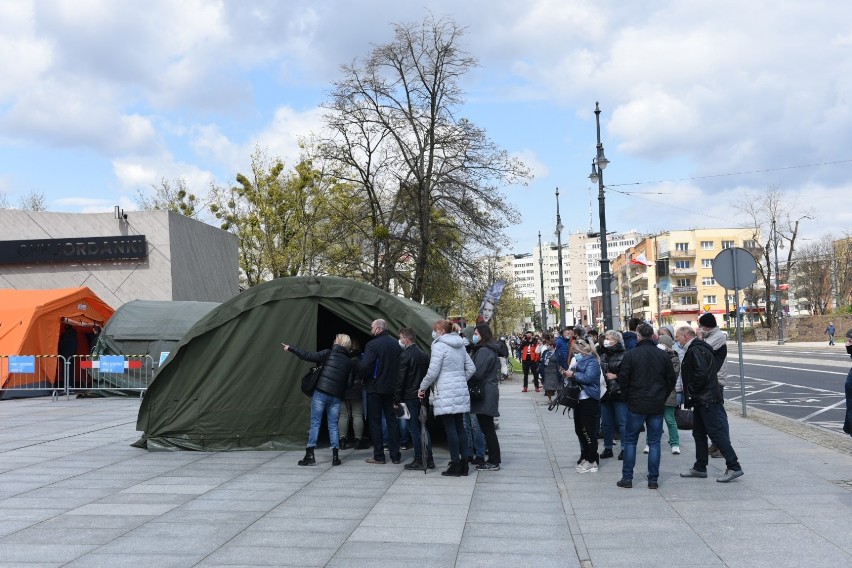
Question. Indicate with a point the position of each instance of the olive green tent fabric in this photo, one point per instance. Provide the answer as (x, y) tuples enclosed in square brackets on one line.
[(144, 327), (229, 386)]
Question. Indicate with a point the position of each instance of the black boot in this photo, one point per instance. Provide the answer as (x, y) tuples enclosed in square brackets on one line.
[(335, 459), (363, 444), (309, 458), (465, 468), (344, 443), (454, 469), (430, 463)]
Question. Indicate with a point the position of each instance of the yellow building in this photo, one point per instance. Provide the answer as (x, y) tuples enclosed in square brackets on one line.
[(678, 286)]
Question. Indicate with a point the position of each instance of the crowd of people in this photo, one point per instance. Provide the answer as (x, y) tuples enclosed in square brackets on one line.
[(628, 382), (634, 381), (459, 380)]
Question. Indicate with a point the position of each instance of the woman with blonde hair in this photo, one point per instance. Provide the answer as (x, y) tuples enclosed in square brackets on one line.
[(336, 375), (587, 415), (449, 369)]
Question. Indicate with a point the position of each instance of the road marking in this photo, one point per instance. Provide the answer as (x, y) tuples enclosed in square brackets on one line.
[(777, 383), (794, 369), (755, 392), (826, 409)]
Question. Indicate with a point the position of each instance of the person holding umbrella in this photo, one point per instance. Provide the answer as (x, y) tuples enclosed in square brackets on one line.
[(449, 369), (486, 358), (413, 363)]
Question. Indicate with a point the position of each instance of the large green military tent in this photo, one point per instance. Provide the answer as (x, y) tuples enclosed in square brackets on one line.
[(228, 385)]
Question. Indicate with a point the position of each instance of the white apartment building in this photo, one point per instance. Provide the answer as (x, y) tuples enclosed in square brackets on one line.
[(580, 268)]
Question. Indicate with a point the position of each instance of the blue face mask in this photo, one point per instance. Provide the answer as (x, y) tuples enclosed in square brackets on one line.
[(578, 356), (474, 339)]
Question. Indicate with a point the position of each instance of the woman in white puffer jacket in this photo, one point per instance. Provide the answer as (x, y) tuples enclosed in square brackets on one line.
[(449, 369)]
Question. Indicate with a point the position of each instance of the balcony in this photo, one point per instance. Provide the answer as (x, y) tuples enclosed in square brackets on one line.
[(684, 289), (639, 276), (684, 307), (683, 271), (639, 294), (690, 253)]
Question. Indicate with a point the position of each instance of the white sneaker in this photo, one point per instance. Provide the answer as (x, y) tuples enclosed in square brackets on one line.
[(647, 449), (675, 450), (587, 467), (582, 465)]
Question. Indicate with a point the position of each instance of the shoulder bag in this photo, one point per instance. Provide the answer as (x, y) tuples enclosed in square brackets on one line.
[(309, 381)]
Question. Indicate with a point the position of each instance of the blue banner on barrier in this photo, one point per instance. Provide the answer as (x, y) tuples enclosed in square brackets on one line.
[(112, 364), (22, 364)]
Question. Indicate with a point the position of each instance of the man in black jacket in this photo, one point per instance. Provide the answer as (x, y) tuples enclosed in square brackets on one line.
[(413, 364), (379, 368), (646, 378), (703, 393)]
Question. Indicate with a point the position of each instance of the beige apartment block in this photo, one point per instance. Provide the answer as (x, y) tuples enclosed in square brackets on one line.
[(680, 286)]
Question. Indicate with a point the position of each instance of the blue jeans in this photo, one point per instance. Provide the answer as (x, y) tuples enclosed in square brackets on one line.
[(320, 404), (456, 440), (712, 421), (475, 437), (654, 430), (414, 408), (613, 413)]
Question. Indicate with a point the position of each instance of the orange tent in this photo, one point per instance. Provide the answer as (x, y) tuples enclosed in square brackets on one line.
[(31, 322)]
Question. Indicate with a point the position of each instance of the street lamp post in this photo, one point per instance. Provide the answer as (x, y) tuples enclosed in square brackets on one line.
[(541, 275), (777, 287), (599, 163), (559, 228)]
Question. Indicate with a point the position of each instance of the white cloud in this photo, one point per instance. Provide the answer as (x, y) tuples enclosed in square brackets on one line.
[(530, 159)]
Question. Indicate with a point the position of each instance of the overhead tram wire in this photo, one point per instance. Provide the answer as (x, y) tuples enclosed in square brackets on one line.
[(729, 174), (664, 204)]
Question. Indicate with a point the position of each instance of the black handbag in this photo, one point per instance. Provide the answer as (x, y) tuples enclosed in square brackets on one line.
[(683, 417), (569, 397), (309, 381)]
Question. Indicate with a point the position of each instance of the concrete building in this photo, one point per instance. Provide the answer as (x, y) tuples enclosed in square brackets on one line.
[(679, 286), (143, 255)]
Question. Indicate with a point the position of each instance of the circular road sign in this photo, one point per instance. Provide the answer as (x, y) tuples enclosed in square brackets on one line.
[(735, 268)]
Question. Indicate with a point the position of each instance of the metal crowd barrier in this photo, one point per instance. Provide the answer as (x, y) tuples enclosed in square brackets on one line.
[(124, 374), (29, 375)]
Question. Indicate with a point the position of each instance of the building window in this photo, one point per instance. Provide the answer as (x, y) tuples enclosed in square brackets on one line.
[(706, 263), (682, 246), (750, 244), (685, 300), (708, 281), (681, 264), (706, 245), (683, 281), (709, 299), (727, 244)]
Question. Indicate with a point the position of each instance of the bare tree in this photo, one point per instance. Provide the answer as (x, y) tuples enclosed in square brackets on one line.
[(398, 139), (813, 274), (171, 196), (774, 220), (33, 201), (4, 201)]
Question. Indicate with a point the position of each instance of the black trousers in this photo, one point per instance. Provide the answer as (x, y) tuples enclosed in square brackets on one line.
[(712, 421), (587, 420), (378, 404), (530, 366), (486, 424)]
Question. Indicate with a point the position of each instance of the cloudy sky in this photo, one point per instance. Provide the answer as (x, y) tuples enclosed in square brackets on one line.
[(99, 98)]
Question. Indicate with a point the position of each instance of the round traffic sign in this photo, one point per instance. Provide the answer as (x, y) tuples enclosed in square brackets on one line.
[(735, 268)]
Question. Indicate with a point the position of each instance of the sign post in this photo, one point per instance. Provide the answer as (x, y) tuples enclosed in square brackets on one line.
[(735, 269)]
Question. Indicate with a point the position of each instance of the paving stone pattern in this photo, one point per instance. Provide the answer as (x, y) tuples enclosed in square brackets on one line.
[(74, 493)]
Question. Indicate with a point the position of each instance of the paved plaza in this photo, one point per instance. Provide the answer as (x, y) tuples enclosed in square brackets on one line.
[(74, 493)]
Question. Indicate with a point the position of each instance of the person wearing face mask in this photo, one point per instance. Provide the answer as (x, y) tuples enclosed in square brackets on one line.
[(847, 423), (413, 363), (565, 348), (703, 395), (713, 336), (587, 415), (486, 359), (450, 367), (665, 343), (613, 408), (550, 376)]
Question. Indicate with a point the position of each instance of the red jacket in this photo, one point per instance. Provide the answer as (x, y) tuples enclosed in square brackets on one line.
[(528, 351)]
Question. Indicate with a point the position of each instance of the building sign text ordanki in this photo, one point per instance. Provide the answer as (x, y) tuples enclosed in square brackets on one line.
[(75, 249)]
